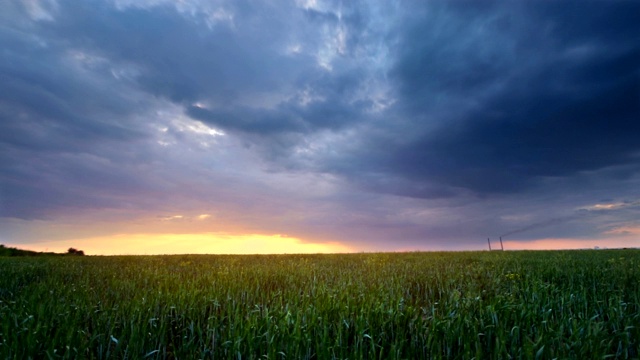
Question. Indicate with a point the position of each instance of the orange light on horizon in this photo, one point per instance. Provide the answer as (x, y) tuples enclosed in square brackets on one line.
[(569, 244), (204, 243)]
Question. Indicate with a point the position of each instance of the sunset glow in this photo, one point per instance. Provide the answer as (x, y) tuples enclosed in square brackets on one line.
[(206, 243), (569, 244)]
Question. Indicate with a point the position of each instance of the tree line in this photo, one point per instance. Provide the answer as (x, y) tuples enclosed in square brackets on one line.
[(12, 251)]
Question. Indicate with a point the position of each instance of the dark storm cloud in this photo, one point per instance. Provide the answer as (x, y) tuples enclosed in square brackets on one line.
[(161, 40), (181, 57), (47, 104), (287, 117), (66, 126), (76, 79), (498, 106)]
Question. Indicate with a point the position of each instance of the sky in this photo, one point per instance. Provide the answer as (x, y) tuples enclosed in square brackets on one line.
[(305, 126)]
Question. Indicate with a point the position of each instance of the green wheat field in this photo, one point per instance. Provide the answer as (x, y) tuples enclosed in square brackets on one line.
[(484, 305)]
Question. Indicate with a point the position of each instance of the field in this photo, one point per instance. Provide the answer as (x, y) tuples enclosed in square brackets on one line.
[(560, 304)]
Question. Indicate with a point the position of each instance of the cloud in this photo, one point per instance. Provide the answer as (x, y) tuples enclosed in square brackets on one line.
[(625, 230), (610, 206), (172, 218), (508, 106), (359, 121)]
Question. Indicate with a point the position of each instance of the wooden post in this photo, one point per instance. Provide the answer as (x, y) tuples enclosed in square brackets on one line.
[(501, 247), (489, 241)]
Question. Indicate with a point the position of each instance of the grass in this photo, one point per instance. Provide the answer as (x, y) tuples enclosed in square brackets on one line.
[(562, 304)]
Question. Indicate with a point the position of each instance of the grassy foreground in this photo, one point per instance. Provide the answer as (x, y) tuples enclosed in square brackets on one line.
[(564, 304)]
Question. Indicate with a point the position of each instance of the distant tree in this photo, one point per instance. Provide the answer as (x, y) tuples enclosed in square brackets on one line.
[(74, 251)]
